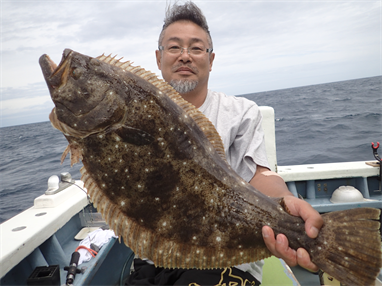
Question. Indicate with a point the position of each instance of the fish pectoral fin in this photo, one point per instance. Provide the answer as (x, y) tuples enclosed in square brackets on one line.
[(65, 153), (75, 154), (134, 136)]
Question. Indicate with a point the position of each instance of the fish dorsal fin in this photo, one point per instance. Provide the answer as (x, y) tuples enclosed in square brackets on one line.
[(203, 122)]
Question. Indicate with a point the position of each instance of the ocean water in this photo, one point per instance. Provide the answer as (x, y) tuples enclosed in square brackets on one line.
[(325, 123), (333, 122)]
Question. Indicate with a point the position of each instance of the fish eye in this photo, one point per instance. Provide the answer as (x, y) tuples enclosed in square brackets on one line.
[(77, 73), (95, 62)]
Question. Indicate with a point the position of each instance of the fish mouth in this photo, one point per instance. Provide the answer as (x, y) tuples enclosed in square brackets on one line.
[(55, 75)]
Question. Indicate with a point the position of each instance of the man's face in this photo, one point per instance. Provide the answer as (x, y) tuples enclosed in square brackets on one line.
[(185, 67)]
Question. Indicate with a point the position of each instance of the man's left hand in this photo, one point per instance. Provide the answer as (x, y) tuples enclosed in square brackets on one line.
[(279, 246)]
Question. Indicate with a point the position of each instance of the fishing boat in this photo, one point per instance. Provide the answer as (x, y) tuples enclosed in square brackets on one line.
[(37, 245)]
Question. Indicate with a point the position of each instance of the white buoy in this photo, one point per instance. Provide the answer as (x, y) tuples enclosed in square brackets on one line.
[(346, 194)]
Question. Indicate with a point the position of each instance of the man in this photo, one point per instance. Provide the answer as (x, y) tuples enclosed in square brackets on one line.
[(185, 59)]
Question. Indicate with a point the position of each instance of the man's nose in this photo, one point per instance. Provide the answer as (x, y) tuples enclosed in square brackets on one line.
[(185, 56)]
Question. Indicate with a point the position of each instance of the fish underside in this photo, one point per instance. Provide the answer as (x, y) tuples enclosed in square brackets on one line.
[(155, 168)]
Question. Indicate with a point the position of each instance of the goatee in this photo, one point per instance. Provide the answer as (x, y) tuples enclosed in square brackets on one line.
[(183, 86)]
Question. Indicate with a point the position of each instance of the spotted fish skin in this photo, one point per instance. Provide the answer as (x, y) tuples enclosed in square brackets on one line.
[(154, 167)]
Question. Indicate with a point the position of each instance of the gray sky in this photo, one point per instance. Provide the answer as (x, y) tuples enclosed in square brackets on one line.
[(259, 45)]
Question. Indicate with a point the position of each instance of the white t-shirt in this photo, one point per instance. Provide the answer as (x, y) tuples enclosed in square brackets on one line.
[(238, 121)]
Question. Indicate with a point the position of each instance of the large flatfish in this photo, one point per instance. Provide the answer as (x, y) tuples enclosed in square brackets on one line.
[(154, 167)]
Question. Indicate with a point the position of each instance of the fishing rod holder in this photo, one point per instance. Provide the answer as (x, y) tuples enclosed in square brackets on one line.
[(376, 156)]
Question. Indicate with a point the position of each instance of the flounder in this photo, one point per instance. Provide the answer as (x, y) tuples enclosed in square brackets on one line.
[(154, 166)]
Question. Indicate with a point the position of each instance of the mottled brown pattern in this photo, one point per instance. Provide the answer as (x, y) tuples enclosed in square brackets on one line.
[(165, 186)]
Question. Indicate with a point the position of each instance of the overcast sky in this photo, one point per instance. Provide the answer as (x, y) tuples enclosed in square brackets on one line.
[(259, 45)]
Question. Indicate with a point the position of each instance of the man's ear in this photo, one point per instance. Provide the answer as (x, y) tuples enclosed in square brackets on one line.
[(158, 55), (212, 57)]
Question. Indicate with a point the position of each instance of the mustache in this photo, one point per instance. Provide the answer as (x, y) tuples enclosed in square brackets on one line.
[(193, 69)]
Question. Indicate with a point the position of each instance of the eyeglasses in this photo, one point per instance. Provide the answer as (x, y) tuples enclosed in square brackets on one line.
[(177, 50)]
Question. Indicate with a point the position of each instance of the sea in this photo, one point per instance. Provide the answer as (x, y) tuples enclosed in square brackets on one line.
[(323, 123)]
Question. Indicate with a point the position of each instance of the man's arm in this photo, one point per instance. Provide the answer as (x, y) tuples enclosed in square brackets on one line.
[(271, 184)]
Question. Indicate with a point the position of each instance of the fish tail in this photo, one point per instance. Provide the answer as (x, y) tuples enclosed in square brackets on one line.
[(349, 246)]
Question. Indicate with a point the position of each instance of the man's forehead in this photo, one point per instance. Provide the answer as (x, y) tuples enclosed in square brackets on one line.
[(185, 31), (179, 40)]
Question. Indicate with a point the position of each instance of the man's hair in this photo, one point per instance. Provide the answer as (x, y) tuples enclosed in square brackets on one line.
[(188, 12)]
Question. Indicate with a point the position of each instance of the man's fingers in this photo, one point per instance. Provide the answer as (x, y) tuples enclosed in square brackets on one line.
[(303, 260), (313, 220), (313, 232), (284, 251), (269, 238), (279, 247)]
